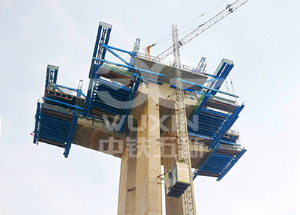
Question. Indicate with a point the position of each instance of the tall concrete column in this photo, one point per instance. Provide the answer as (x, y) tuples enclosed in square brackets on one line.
[(148, 161), (127, 185)]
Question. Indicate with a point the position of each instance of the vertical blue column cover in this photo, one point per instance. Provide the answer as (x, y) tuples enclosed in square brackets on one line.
[(97, 41), (222, 73), (106, 42), (55, 76), (47, 78), (103, 36), (96, 47), (37, 121), (71, 133)]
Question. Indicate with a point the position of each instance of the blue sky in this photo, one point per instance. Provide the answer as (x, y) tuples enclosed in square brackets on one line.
[(261, 37)]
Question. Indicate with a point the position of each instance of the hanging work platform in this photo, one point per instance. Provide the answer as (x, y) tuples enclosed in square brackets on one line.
[(177, 180), (211, 122), (218, 161)]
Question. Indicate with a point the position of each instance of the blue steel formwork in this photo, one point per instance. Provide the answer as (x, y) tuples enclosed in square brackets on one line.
[(113, 98), (57, 116), (106, 95), (225, 126), (221, 73), (219, 162), (55, 128), (102, 38), (211, 124)]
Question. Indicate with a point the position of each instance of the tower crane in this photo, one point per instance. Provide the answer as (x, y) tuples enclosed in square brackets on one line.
[(189, 204), (200, 29)]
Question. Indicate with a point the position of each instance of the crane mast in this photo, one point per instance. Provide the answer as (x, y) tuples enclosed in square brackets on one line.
[(181, 123), (201, 28)]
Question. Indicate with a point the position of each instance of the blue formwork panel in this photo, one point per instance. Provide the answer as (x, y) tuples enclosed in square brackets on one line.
[(219, 162), (54, 128), (209, 123), (226, 125), (222, 72), (110, 97), (113, 98), (102, 38), (212, 124)]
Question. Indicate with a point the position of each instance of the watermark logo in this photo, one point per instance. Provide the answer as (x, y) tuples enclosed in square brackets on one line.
[(142, 146), (116, 123)]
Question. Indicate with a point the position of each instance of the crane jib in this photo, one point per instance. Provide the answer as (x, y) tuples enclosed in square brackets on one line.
[(201, 28)]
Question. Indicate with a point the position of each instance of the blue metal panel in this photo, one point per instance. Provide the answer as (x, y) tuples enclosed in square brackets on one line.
[(89, 98), (222, 73), (47, 78), (106, 42), (37, 121), (218, 163), (233, 162), (71, 134), (196, 172), (110, 97), (55, 76), (209, 121), (97, 41), (114, 98), (225, 126), (102, 38), (53, 128)]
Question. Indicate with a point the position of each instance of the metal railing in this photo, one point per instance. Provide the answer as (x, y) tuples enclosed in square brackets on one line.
[(170, 63)]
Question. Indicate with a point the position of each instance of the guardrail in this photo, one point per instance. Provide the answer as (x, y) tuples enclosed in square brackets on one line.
[(170, 63)]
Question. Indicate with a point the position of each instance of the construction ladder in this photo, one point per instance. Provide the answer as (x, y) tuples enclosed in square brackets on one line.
[(182, 124)]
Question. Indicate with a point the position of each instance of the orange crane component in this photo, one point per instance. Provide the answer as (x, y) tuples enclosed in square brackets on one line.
[(147, 49)]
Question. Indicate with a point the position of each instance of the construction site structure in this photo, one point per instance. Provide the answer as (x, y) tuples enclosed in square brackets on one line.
[(149, 114)]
